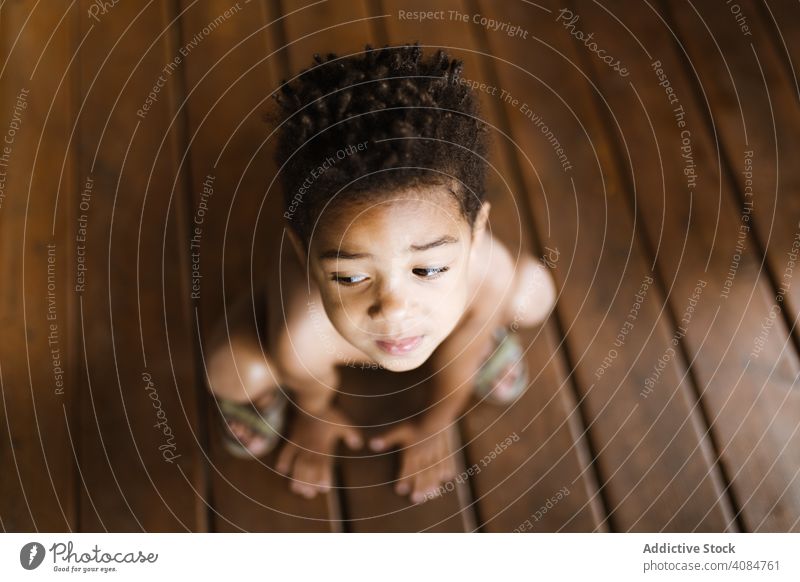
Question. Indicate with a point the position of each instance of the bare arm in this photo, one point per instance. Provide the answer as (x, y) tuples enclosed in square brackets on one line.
[(456, 362), (307, 455), (427, 459)]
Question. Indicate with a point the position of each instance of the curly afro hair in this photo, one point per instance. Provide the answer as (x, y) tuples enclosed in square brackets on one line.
[(367, 125)]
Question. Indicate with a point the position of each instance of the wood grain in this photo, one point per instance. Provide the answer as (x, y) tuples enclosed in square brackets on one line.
[(140, 451), (38, 435)]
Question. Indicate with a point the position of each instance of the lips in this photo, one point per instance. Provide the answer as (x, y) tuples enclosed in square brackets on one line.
[(401, 346)]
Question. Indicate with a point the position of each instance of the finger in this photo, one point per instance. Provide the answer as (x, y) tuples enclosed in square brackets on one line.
[(446, 465), (314, 471), (425, 486), (303, 489), (300, 479), (320, 473), (353, 438), (285, 458), (447, 469), (405, 479), (428, 488)]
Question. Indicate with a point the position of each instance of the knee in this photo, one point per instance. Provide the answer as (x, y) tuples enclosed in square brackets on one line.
[(237, 372), (535, 295)]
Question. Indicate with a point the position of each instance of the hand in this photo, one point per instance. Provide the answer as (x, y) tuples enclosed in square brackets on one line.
[(307, 456), (426, 458)]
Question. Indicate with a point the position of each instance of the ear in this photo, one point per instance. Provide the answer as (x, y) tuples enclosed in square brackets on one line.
[(298, 246), (481, 222)]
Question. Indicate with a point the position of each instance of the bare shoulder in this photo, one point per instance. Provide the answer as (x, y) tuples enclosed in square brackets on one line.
[(493, 277), (291, 322), (302, 342)]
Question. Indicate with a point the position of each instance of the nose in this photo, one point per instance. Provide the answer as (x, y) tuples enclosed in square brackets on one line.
[(390, 304)]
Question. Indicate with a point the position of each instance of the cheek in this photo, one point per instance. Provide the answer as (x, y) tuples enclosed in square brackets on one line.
[(456, 294), (445, 308), (450, 310), (344, 312), (335, 306), (346, 308)]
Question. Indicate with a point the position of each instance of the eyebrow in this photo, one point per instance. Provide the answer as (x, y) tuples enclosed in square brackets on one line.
[(341, 254), (445, 240)]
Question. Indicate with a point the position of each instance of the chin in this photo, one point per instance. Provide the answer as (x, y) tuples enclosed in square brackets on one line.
[(400, 364)]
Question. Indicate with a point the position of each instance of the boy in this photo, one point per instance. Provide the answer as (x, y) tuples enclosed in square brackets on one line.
[(389, 263)]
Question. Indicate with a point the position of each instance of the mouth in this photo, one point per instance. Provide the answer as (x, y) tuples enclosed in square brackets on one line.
[(401, 346)]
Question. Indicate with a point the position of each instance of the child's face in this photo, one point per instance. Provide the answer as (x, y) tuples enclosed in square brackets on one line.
[(393, 273)]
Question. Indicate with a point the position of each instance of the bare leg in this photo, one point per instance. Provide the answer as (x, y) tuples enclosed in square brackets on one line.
[(531, 300), (534, 296), (239, 371)]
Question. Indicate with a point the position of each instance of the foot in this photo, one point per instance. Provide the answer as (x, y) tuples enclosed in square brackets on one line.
[(425, 467), (251, 430), (250, 440), (503, 387), (307, 456), (426, 460), (503, 376)]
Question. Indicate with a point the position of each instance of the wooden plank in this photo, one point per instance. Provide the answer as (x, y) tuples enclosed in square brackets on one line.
[(745, 398), (759, 114), (754, 109), (550, 453), (139, 453), (229, 76), (326, 27), (656, 464), (369, 499), (756, 422), (782, 27), (37, 364)]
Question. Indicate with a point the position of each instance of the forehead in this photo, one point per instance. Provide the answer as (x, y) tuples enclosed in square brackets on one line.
[(400, 218)]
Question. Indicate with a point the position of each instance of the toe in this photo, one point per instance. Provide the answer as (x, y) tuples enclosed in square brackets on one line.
[(321, 477), (285, 459), (508, 379), (252, 441), (303, 489)]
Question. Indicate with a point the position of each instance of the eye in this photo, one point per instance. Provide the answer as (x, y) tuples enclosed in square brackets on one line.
[(430, 272), (348, 280)]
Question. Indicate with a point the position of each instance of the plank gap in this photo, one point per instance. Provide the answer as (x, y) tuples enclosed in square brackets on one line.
[(183, 210)]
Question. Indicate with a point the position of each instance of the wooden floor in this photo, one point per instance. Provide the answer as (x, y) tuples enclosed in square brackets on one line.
[(660, 182)]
